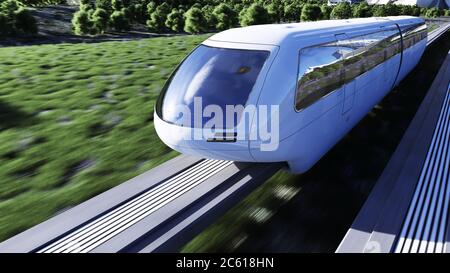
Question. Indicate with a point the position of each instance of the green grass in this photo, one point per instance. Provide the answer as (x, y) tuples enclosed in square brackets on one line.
[(76, 120)]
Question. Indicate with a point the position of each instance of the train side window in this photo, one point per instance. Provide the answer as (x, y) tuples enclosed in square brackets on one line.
[(318, 74), (413, 34), (392, 42), (320, 67), (381, 46), (374, 53), (353, 57)]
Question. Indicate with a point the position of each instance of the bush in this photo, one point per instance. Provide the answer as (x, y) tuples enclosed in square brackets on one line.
[(104, 4), (392, 9), (311, 12), (139, 12), (158, 18), (415, 11), (175, 20), (10, 7), (379, 11), (119, 21), (326, 11), (15, 18), (342, 10), (254, 15), (195, 21), (210, 18), (447, 12), (5, 25), (292, 11), (226, 17), (164, 8), (100, 19), (362, 10), (129, 13), (433, 13), (242, 14), (25, 22), (275, 9), (405, 10), (385, 10), (117, 5), (81, 22), (151, 7)]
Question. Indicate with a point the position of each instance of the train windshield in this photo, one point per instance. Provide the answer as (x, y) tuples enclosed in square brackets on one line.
[(210, 76)]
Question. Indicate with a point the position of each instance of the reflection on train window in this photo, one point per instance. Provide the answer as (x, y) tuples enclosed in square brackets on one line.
[(413, 34), (318, 73), (325, 68)]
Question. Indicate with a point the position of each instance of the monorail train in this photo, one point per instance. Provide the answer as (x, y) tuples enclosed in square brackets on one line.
[(324, 77)]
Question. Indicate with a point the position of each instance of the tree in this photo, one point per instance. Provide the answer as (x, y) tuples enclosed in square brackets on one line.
[(385, 10), (210, 18), (158, 18), (81, 22), (5, 27), (14, 18), (104, 4), (86, 4), (164, 8), (242, 14), (8, 7), (406, 10), (415, 11), (254, 15), (433, 13), (292, 11), (379, 11), (326, 11), (151, 7), (119, 21), (25, 22), (139, 12), (311, 12), (392, 10), (238, 8), (447, 12), (226, 17), (362, 10), (175, 20), (129, 12), (423, 11), (341, 11), (275, 9), (195, 21), (100, 19), (117, 5)]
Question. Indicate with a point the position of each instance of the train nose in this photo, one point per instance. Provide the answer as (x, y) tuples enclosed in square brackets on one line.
[(221, 144), (201, 104)]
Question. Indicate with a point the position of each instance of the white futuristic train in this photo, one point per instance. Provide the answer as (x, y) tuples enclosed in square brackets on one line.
[(324, 77), (420, 3)]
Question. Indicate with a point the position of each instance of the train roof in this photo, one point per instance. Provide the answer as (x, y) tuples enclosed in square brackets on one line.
[(276, 34)]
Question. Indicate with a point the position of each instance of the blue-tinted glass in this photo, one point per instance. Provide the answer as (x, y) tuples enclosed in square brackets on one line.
[(216, 75)]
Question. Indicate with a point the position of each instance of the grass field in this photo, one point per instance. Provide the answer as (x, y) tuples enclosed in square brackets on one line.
[(76, 120)]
